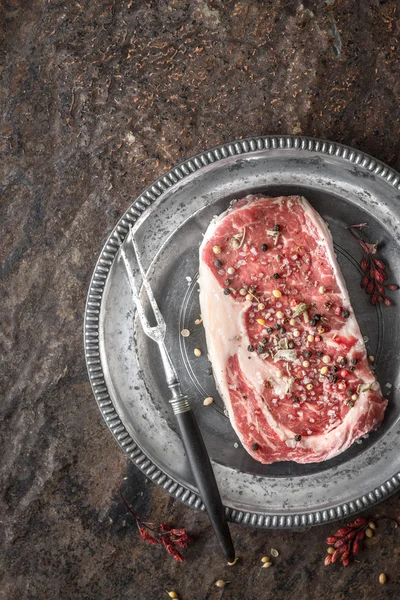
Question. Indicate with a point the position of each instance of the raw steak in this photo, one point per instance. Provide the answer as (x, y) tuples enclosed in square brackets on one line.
[(286, 349)]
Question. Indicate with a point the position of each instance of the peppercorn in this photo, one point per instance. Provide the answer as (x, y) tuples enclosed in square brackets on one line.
[(264, 247), (295, 399), (276, 228), (218, 263), (260, 349), (254, 447), (307, 354), (269, 330), (320, 354), (317, 317), (297, 437), (349, 392), (227, 291), (354, 361), (283, 329), (228, 282), (334, 369), (343, 362), (333, 379), (313, 322), (278, 326), (250, 348), (252, 289), (352, 368), (291, 345), (263, 341), (275, 275), (345, 314), (350, 403)]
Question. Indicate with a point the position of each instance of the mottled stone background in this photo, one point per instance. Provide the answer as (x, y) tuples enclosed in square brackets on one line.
[(99, 98)]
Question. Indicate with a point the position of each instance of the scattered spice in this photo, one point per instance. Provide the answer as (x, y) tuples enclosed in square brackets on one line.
[(347, 540), (382, 578), (185, 333), (197, 352), (267, 565), (221, 583), (374, 270), (276, 293), (265, 559), (254, 447), (227, 291), (207, 401), (173, 595), (230, 564), (264, 247), (218, 263), (274, 552), (217, 249), (297, 438), (168, 537), (231, 271), (198, 321)]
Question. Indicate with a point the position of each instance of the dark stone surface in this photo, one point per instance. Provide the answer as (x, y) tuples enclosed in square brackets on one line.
[(99, 98)]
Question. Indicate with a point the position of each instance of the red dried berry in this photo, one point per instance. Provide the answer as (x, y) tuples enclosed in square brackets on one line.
[(360, 536), (393, 287), (338, 310), (370, 288), (380, 288), (146, 536), (346, 562), (350, 535), (335, 556), (364, 264), (328, 560), (330, 540), (345, 555), (340, 543), (165, 527), (374, 299), (364, 281), (380, 276), (379, 263), (356, 548), (388, 302), (360, 521), (343, 531)]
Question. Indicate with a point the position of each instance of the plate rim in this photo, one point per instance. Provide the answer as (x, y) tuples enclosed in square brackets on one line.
[(245, 146)]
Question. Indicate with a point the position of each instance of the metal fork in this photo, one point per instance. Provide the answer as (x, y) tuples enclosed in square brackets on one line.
[(192, 439)]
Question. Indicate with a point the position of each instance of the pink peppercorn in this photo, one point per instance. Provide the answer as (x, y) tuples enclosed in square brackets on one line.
[(317, 338), (343, 373), (342, 385), (338, 310)]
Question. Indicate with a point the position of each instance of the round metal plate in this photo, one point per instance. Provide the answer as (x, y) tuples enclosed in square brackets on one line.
[(345, 186)]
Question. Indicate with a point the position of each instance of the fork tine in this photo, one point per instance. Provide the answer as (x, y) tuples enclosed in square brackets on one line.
[(153, 302), (134, 291)]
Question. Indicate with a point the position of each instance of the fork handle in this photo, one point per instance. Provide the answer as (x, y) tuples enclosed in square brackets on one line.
[(203, 473)]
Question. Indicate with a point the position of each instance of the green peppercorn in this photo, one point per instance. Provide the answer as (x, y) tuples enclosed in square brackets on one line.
[(345, 314), (307, 354)]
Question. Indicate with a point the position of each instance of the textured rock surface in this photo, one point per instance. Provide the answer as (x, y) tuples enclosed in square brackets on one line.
[(98, 98)]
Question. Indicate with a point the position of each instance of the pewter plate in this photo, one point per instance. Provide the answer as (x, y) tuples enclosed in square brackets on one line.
[(345, 186)]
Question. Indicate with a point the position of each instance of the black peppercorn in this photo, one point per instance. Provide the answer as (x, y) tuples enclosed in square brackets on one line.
[(352, 369), (228, 282), (276, 228), (349, 392), (320, 354), (254, 447), (252, 289), (275, 275), (283, 329), (264, 247), (317, 317), (250, 348), (350, 403), (218, 263), (227, 291), (354, 361), (334, 369), (343, 362), (295, 399), (263, 340), (345, 314), (269, 330), (313, 322), (260, 349), (278, 326), (297, 437), (307, 354), (333, 379)]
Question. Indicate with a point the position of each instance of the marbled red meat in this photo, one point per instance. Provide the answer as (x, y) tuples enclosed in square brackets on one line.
[(287, 353)]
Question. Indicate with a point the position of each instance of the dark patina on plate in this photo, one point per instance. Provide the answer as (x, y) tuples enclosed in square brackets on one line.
[(345, 186)]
